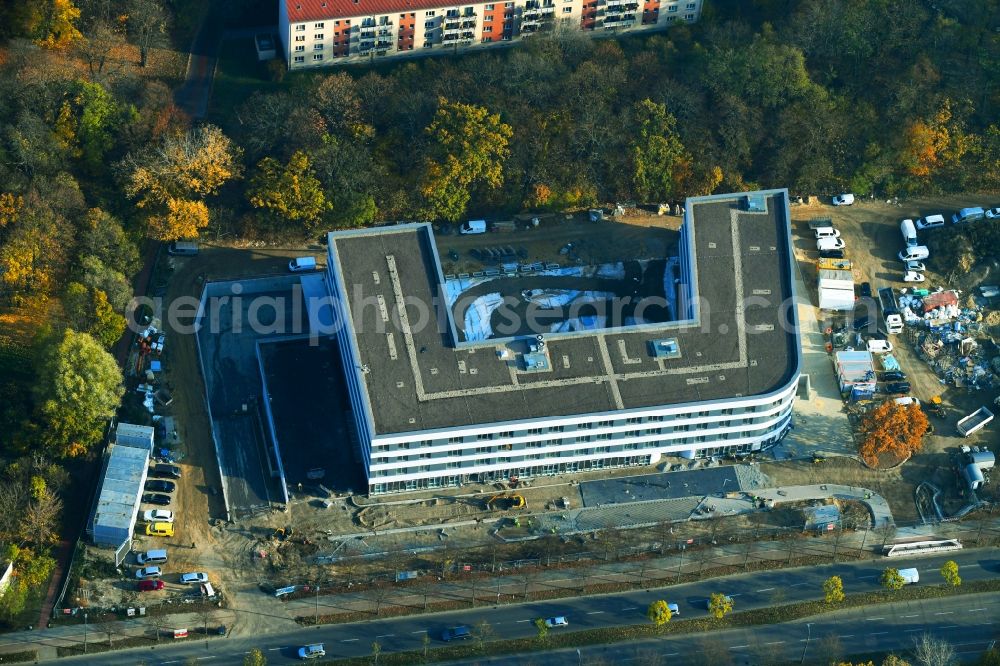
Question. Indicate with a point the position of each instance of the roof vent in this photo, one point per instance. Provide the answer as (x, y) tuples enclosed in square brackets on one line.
[(756, 203), (665, 348), (298, 7)]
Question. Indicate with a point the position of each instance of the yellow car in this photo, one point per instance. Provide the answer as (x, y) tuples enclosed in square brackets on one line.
[(159, 529)]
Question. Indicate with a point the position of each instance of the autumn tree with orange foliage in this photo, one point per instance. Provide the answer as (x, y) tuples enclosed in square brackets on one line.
[(936, 144), (893, 429)]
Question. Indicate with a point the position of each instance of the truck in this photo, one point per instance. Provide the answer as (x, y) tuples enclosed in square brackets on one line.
[(820, 222), (473, 227), (974, 422), (836, 290), (890, 310)]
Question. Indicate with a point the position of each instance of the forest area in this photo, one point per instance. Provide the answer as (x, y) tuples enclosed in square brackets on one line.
[(97, 163)]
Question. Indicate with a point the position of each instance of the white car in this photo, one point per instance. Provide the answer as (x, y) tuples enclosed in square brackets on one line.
[(558, 621), (824, 244), (194, 577), (827, 232), (992, 213), (158, 516), (913, 276), (930, 222), (843, 200), (148, 572), (915, 266), (879, 347), (314, 651)]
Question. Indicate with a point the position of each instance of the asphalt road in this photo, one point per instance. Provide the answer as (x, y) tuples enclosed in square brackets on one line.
[(963, 620)]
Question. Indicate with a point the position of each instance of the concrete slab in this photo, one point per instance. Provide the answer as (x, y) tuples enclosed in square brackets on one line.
[(667, 485)]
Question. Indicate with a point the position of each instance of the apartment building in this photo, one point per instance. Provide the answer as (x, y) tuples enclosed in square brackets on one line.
[(315, 33), (433, 408)]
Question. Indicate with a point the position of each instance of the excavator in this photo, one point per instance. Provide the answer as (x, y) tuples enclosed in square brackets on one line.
[(506, 502)]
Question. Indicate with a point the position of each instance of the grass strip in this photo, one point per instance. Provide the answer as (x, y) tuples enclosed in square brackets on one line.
[(762, 616)]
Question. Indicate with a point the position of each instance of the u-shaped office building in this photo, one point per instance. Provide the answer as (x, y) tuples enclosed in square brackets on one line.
[(451, 381)]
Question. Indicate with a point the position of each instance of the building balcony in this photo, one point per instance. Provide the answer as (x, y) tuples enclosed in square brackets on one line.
[(618, 21)]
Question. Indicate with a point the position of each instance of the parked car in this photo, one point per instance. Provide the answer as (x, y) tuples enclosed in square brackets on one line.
[(876, 346), (843, 200), (674, 609), (917, 266), (930, 222), (831, 254), (150, 585), (861, 322), (827, 244), (155, 498), (992, 213), (166, 471), (160, 529), (866, 290), (194, 577), (827, 232), (158, 516), (314, 651), (148, 572), (459, 633), (558, 621), (913, 276), (897, 387), (158, 486), (893, 376)]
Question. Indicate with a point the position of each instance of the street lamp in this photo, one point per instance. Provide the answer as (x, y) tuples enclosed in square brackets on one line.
[(808, 636), (85, 633)]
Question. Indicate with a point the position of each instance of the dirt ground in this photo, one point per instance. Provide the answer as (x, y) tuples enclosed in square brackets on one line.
[(871, 233)]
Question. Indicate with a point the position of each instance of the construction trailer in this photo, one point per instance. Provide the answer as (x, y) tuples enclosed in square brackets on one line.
[(836, 290)]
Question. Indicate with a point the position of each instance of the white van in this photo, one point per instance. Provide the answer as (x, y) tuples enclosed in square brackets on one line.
[(930, 222), (182, 249), (914, 253), (299, 264), (473, 227), (152, 557), (830, 243), (910, 576), (968, 215), (909, 232)]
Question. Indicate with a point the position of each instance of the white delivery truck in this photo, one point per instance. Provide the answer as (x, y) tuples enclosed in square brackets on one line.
[(909, 232), (836, 290), (473, 227), (299, 264)]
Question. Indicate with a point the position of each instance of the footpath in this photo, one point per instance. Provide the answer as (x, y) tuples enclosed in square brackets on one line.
[(509, 587)]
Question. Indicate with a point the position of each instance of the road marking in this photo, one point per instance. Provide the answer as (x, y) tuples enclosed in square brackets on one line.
[(177, 661), (920, 629), (846, 636), (738, 647), (976, 610), (951, 626), (775, 643), (671, 654), (917, 615), (793, 585), (384, 635), (520, 621), (419, 631), (878, 633), (736, 595), (873, 619), (348, 640), (765, 589), (272, 649), (632, 608), (595, 613), (945, 613)]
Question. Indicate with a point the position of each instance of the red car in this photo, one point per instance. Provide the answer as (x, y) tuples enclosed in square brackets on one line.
[(150, 585)]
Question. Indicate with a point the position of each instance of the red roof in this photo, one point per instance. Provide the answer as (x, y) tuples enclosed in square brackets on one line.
[(313, 10)]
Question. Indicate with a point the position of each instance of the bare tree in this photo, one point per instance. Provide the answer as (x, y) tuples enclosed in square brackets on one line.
[(712, 652), (832, 650), (40, 518), (108, 624), (147, 23), (930, 651), (205, 614), (484, 630)]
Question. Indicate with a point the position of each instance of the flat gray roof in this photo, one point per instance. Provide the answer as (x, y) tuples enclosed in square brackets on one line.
[(418, 378)]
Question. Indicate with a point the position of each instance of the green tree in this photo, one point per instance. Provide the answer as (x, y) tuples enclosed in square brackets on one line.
[(376, 652), (541, 628), (103, 237), (52, 23), (78, 389), (89, 312), (659, 613), (30, 572), (894, 660), (719, 605), (949, 571), (833, 590), (255, 657), (892, 580), (468, 147), (289, 191), (656, 153)]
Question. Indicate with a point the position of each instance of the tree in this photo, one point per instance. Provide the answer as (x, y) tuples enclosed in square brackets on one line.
[(172, 180), (89, 312), (78, 389), (656, 153), (659, 613), (930, 651), (116, 287), (833, 590), (147, 23), (892, 580), (541, 628), (894, 660), (376, 651), (30, 572), (719, 605), (255, 657), (892, 429), (103, 238), (289, 191), (468, 146), (52, 23), (949, 571), (40, 521), (483, 633)]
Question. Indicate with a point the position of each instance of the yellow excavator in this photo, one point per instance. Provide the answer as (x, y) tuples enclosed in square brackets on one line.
[(506, 502)]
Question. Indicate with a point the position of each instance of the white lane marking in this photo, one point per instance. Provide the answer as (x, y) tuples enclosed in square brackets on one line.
[(765, 589), (793, 585), (873, 619), (419, 631), (945, 613), (736, 595), (920, 629), (348, 640), (738, 647), (878, 633), (775, 643), (951, 626), (975, 610), (846, 636), (177, 661), (520, 621), (273, 649), (632, 608), (917, 615), (671, 654), (384, 635), (595, 613)]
